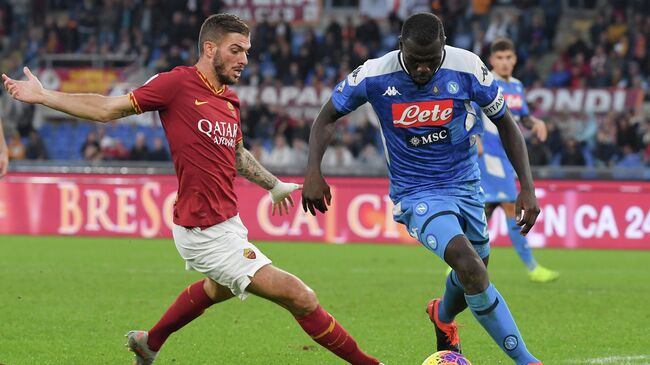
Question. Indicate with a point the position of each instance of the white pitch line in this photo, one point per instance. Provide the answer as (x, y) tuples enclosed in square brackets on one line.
[(618, 360)]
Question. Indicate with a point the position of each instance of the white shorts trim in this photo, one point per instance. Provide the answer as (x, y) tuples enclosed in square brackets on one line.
[(221, 252)]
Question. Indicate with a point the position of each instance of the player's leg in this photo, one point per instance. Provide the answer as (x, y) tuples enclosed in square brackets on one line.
[(536, 272), (483, 299), (190, 304), (291, 293)]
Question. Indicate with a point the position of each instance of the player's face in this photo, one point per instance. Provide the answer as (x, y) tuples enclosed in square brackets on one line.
[(231, 57), (422, 61), (503, 62)]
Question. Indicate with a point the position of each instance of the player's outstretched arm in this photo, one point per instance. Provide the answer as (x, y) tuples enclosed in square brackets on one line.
[(85, 106), (535, 125), (4, 153), (515, 146), (316, 193), (251, 169)]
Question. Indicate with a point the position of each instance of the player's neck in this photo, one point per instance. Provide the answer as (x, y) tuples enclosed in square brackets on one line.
[(205, 67)]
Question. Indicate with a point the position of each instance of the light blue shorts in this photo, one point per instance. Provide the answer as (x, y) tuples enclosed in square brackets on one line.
[(435, 219)]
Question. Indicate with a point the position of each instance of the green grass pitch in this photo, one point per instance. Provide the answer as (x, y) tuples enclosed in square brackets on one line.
[(70, 300)]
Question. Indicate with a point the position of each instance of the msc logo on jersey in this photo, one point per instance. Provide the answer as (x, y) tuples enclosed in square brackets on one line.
[(428, 113), (514, 101), (437, 136), (391, 91)]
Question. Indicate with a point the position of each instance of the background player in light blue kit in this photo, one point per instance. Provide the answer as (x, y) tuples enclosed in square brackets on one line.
[(423, 97), (497, 175)]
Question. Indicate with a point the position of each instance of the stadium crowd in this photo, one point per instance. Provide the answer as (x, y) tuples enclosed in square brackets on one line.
[(162, 35)]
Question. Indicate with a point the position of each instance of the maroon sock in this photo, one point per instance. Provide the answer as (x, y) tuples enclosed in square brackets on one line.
[(325, 330), (191, 303)]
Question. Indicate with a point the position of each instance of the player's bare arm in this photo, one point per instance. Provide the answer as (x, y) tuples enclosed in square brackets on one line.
[(515, 147), (85, 106), (316, 193), (4, 153), (248, 167)]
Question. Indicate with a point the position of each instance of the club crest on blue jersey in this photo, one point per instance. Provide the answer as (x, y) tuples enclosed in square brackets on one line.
[(510, 342), (421, 208), (452, 87), (432, 242)]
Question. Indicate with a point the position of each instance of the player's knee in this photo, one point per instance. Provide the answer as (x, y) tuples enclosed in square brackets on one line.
[(303, 301), (472, 273)]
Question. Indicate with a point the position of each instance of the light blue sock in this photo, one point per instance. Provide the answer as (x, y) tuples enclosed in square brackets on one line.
[(520, 244), (491, 310), (453, 300)]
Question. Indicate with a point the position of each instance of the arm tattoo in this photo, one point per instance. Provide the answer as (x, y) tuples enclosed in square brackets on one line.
[(251, 169)]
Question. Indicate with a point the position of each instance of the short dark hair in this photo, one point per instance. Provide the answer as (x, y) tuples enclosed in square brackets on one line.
[(502, 44), (423, 28), (218, 25)]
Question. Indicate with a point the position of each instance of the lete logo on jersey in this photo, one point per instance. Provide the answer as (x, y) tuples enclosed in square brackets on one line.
[(427, 113), (514, 101)]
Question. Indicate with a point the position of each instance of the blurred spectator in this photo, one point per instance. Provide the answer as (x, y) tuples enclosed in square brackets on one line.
[(630, 158), (605, 151), (90, 150), (538, 153), (16, 147), (158, 153), (36, 149), (281, 154), (554, 140), (139, 151), (116, 150), (572, 154), (338, 155), (370, 157)]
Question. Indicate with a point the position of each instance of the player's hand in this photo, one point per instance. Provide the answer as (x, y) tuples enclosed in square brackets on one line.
[(29, 91), (539, 129), (527, 210), (281, 196), (4, 161), (316, 194)]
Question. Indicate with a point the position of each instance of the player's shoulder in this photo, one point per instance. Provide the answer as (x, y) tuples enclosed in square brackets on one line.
[(461, 60), (375, 67), (177, 74), (464, 61)]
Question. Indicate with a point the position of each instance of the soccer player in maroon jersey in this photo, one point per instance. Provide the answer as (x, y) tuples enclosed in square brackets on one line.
[(200, 115)]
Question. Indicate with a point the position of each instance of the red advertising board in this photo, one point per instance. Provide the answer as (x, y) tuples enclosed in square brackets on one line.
[(575, 214)]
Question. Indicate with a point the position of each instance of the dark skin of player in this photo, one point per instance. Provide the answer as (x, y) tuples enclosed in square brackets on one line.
[(422, 61)]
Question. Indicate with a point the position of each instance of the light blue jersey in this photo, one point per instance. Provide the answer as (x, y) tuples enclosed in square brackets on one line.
[(428, 130), (497, 174), (429, 134)]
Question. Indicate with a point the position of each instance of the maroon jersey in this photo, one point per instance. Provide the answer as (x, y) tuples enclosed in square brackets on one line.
[(203, 128)]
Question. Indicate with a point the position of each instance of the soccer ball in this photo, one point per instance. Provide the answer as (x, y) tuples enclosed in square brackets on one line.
[(446, 358)]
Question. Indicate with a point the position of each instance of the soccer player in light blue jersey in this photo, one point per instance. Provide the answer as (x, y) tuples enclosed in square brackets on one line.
[(497, 175), (423, 94)]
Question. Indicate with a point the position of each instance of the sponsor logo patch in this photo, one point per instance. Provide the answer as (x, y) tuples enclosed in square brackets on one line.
[(428, 113), (438, 135)]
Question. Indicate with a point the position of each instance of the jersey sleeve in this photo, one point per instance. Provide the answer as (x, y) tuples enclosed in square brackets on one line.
[(350, 93), (157, 93), (485, 91)]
